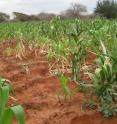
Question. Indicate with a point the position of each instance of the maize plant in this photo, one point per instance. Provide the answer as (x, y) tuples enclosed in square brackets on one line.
[(7, 113), (105, 84), (78, 52), (65, 85)]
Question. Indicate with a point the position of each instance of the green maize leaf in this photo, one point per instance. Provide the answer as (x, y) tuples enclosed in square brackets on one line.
[(1, 82), (8, 117), (19, 113), (109, 70), (104, 72), (4, 94)]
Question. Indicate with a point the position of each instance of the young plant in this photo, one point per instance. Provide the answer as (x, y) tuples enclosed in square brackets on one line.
[(65, 86), (7, 113)]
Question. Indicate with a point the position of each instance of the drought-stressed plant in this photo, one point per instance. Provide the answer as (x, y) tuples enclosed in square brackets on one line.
[(105, 84), (8, 51), (7, 114)]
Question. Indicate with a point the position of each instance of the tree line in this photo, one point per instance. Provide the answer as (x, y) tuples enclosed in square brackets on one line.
[(104, 8)]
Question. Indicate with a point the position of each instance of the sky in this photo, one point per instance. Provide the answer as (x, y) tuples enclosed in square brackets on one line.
[(36, 6)]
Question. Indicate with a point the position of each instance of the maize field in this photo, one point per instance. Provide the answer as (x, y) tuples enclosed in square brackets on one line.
[(60, 71)]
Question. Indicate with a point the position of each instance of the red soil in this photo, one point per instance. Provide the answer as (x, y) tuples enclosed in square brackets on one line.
[(36, 89)]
